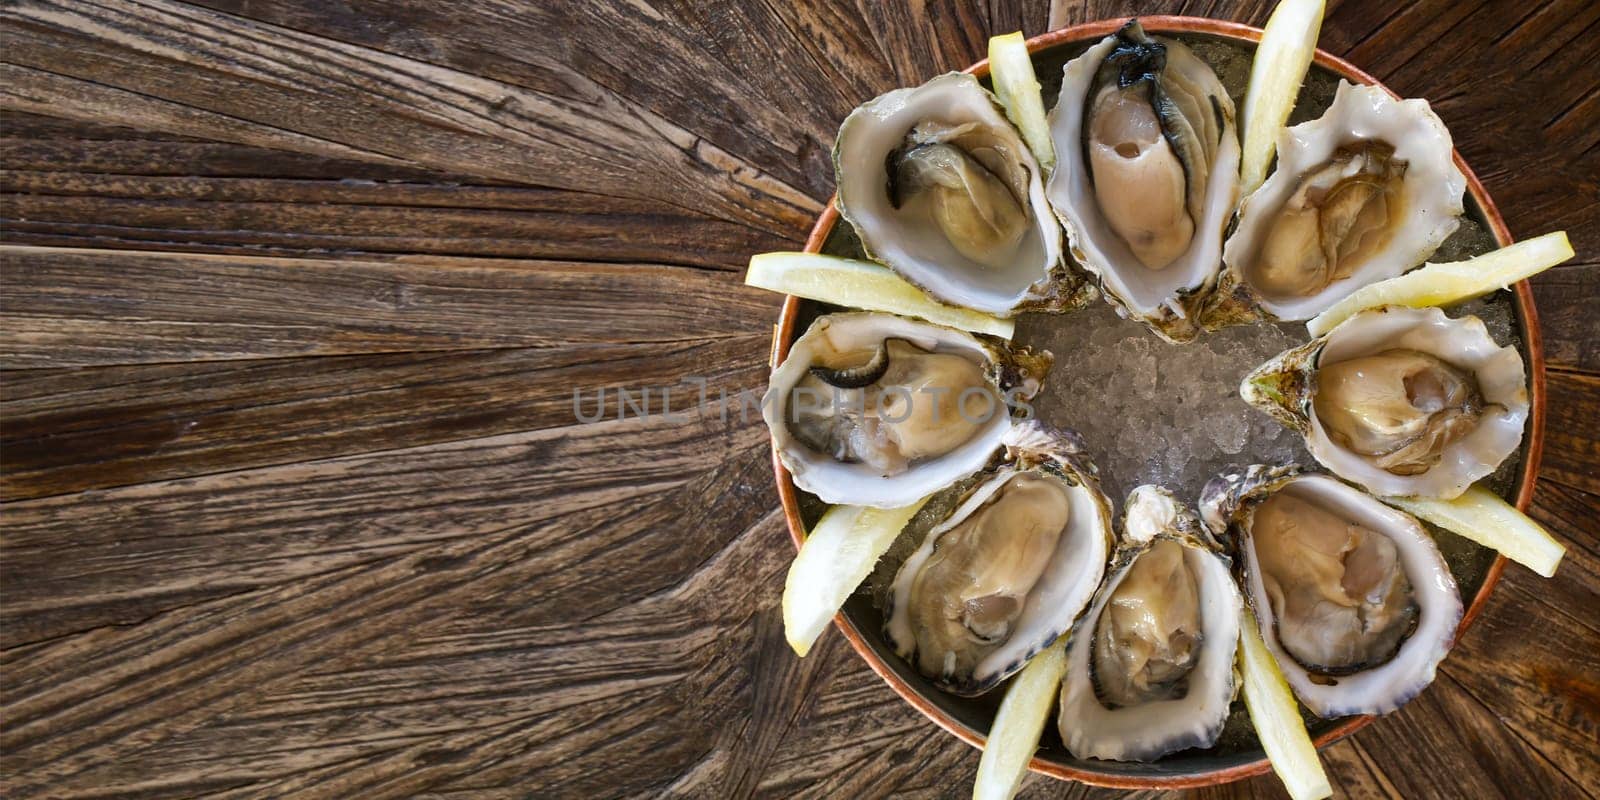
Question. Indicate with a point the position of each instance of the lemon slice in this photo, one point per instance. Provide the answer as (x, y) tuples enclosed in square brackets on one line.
[(1287, 45), (862, 284), (1480, 515), (1011, 73), (1014, 736), (1277, 719), (1444, 284), (835, 558)]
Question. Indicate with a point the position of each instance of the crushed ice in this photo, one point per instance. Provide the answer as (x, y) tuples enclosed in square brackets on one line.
[(1155, 412)]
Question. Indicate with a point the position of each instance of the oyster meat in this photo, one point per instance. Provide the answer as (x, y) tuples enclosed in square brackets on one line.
[(868, 412), (1150, 669), (1363, 193), (942, 189), (1399, 408), (877, 410), (1004, 574), (1406, 402), (1148, 176), (1352, 596)]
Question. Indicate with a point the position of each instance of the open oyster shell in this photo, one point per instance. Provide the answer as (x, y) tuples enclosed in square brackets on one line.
[(1363, 193), (1008, 571), (1352, 596), (1406, 402), (872, 409), (1148, 174), (1150, 666), (942, 189)]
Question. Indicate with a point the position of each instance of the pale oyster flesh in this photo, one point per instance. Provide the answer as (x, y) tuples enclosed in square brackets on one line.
[(1352, 596), (1148, 175), (1338, 216), (1365, 192), (1338, 591), (1148, 638), (941, 188), (1399, 407), (891, 405), (967, 181), (967, 598), (1150, 670), (1149, 143)]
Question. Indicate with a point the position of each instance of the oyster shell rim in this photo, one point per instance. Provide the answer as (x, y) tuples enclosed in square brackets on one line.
[(1030, 447), (1176, 316), (1229, 496), (1185, 528), (1060, 287), (1284, 387)]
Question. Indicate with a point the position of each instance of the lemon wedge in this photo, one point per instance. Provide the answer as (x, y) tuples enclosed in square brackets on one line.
[(1014, 736), (1011, 73), (1277, 719), (1444, 284), (836, 557), (862, 284), (1287, 45), (1480, 515)]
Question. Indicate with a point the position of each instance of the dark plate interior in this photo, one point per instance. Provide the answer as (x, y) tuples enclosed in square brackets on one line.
[(1469, 563)]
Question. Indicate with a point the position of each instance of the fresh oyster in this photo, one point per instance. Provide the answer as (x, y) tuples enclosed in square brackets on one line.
[(941, 188), (1006, 573), (872, 409), (1352, 596), (1150, 669), (1363, 193), (1407, 402), (1148, 174)]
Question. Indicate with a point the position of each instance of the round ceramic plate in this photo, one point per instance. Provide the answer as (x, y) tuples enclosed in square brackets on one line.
[(1237, 754)]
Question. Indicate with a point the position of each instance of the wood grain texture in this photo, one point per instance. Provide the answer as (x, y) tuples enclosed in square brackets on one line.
[(294, 299)]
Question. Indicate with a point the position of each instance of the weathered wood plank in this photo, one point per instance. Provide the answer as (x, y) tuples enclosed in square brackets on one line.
[(396, 569), (72, 430), (1571, 440), (1539, 681), (90, 307), (1566, 298), (76, 184), (153, 65), (360, 217), (1466, 752), (44, 143), (777, 112), (117, 556), (267, 640)]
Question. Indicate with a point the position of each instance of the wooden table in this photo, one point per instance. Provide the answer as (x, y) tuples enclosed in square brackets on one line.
[(296, 297)]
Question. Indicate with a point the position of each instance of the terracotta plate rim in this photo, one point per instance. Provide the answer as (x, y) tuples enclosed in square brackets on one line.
[(1527, 318)]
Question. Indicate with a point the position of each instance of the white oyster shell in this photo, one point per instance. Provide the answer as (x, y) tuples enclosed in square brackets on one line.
[(1381, 688), (912, 244), (859, 483), (1167, 299), (1149, 730), (1430, 194), (1074, 568), (1464, 343)]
